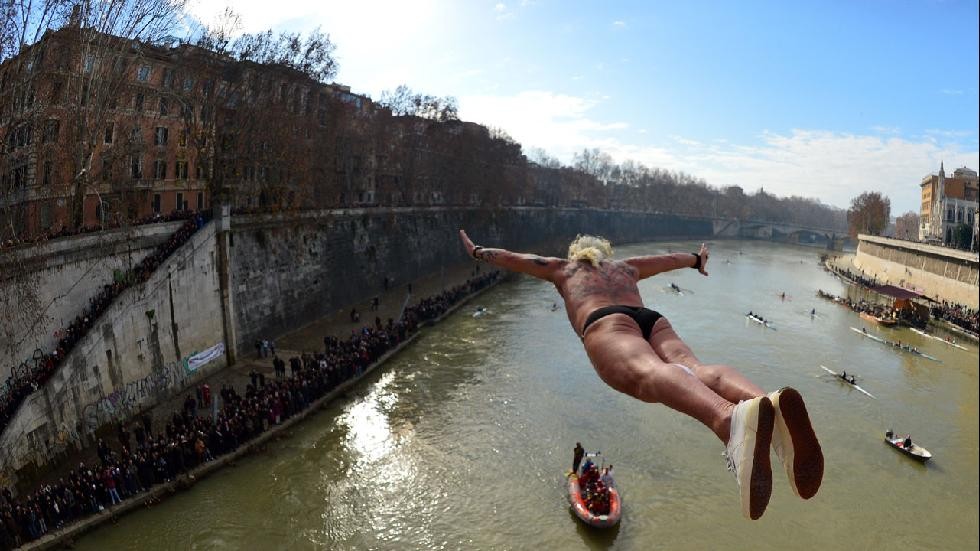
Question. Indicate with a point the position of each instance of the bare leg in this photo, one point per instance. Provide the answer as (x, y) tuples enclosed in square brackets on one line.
[(726, 381), (626, 362)]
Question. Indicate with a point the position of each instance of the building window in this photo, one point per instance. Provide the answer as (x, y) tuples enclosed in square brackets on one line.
[(164, 107), (46, 179), (108, 133), (180, 170), (160, 135), (136, 166), (135, 135), (106, 169), (89, 63), (51, 130), (200, 200), (181, 205), (138, 101), (156, 203), (143, 73), (201, 170), (182, 139), (188, 84), (159, 169), (168, 78)]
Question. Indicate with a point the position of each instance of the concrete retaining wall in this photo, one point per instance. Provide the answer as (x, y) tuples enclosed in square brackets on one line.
[(939, 273), (134, 357), (63, 275)]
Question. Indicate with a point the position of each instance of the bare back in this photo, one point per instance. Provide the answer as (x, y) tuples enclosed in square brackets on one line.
[(586, 288)]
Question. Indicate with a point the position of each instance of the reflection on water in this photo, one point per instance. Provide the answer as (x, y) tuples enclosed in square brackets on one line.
[(460, 442), (369, 437)]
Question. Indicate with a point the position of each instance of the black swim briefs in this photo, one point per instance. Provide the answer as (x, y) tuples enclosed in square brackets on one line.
[(644, 317)]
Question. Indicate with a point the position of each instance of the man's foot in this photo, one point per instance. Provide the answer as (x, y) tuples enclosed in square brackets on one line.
[(748, 453), (796, 444)]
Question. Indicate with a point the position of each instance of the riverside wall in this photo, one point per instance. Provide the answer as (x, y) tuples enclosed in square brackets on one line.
[(283, 271), (43, 287), (134, 356), (290, 269), (938, 272)]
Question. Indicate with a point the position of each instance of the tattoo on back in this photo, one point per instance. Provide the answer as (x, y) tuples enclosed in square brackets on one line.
[(614, 280), (486, 255)]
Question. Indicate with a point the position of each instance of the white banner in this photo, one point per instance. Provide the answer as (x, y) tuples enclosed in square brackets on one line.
[(196, 361)]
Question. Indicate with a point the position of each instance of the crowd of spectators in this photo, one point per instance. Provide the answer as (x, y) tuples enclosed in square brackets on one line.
[(22, 382), (961, 316), (65, 231), (147, 455)]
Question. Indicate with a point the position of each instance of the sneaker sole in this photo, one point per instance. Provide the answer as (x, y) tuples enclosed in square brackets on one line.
[(761, 481), (807, 461)]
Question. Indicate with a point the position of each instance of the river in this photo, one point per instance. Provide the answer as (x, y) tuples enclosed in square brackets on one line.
[(461, 440)]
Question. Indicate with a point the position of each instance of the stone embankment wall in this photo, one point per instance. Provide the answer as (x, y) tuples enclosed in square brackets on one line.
[(134, 356), (61, 276), (288, 270), (939, 273)]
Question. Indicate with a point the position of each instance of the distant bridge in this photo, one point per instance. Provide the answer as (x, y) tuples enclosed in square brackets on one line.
[(779, 231)]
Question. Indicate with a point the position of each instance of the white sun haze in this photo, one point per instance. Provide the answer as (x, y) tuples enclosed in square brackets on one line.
[(371, 36)]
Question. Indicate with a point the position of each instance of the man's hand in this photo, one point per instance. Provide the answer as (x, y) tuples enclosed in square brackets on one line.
[(703, 253), (467, 243)]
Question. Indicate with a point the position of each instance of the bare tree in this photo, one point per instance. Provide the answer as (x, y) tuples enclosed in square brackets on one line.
[(404, 102), (81, 57), (869, 213), (907, 226), (253, 114)]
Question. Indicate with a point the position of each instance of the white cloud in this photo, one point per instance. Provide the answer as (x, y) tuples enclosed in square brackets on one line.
[(831, 166), (501, 11), (557, 122), (951, 92), (619, 24)]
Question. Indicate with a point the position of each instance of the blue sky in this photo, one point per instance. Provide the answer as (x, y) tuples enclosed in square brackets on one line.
[(822, 99)]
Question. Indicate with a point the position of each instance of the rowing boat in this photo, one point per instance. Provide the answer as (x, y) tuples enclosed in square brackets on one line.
[(760, 321), (840, 378), (914, 451), (940, 339), (901, 347), (887, 322)]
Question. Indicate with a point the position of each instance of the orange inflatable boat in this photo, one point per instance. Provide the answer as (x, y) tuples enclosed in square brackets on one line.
[(582, 511)]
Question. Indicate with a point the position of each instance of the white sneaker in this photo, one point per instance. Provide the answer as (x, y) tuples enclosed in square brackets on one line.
[(748, 453), (795, 443)]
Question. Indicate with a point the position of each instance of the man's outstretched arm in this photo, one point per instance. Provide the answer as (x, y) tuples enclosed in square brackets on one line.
[(653, 265), (541, 267)]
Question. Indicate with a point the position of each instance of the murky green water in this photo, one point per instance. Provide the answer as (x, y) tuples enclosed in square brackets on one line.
[(460, 442)]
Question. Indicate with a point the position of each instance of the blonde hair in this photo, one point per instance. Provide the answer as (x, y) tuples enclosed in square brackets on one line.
[(590, 248)]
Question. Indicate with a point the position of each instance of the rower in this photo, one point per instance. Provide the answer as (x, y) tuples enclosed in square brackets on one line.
[(852, 380), (908, 442), (843, 375)]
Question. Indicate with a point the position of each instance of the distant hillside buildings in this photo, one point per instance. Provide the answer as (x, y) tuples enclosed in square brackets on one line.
[(948, 202)]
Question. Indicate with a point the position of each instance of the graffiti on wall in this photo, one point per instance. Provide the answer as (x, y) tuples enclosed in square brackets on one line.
[(124, 400)]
